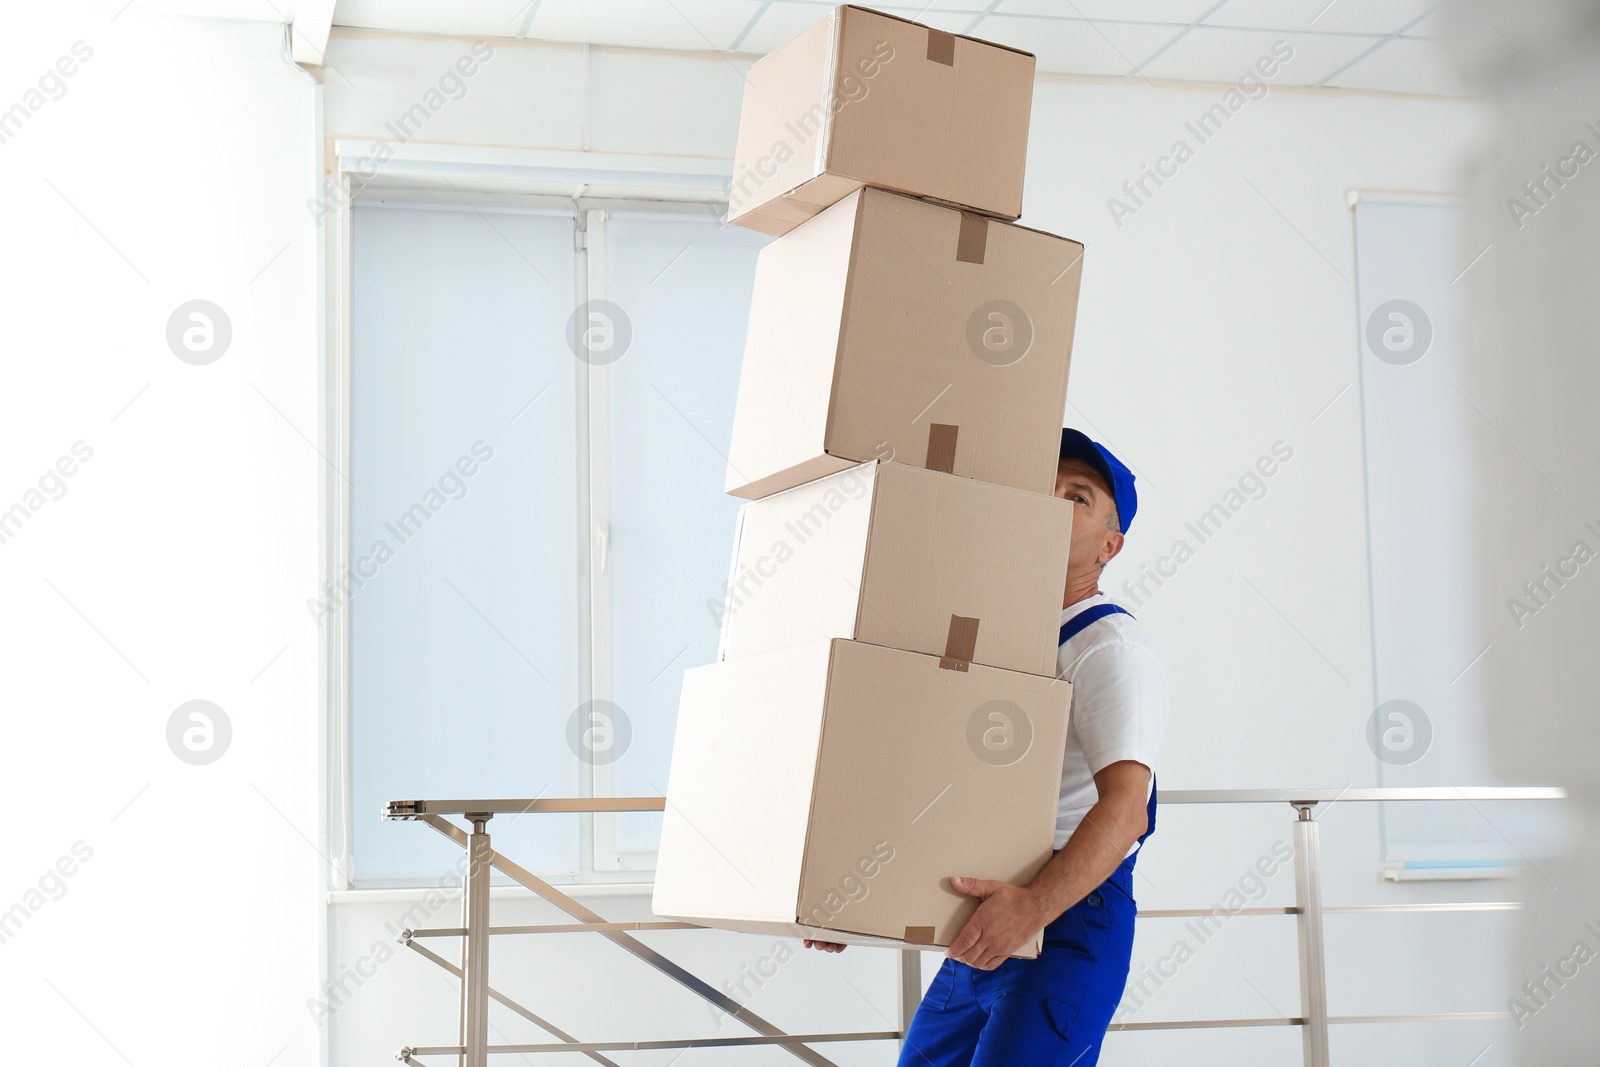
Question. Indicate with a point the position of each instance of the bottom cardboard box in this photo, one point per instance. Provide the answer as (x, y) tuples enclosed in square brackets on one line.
[(831, 789)]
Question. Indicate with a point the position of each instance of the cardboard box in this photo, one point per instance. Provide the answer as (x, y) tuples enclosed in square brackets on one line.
[(903, 557), (864, 98), (832, 789), (892, 328)]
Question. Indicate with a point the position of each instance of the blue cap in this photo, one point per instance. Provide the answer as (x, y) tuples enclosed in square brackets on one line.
[(1076, 445)]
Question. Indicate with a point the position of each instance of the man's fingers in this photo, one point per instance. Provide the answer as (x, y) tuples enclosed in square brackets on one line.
[(964, 942), (978, 957), (974, 948), (982, 888)]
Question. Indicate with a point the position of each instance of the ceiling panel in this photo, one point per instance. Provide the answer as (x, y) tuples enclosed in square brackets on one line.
[(695, 25), (1403, 65), (675, 24), (485, 18), (1091, 37), (248, 10), (1065, 47), (1180, 12), (782, 19), (1211, 54), (1323, 16), (780, 22), (1431, 26)]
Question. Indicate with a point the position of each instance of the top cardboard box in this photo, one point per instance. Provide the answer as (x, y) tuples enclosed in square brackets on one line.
[(864, 98)]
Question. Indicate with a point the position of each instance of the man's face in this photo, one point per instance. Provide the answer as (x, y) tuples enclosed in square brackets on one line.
[(1093, 542)]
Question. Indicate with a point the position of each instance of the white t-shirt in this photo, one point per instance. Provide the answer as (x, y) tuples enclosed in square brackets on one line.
[(1119, 707)]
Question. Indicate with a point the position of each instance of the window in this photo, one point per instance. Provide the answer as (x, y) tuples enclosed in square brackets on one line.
[(1429, 640), (533, 532)]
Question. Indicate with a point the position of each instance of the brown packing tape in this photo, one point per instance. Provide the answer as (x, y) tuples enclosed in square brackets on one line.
[(942, 447), (918, 935), (942, 47), (973, 239), (960, 643)]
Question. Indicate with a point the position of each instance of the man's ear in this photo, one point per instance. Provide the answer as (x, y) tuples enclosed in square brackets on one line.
[(1113, 545)]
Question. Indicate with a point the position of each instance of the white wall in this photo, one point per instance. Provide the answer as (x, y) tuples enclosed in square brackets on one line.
[(173, 167), (1214, 323)]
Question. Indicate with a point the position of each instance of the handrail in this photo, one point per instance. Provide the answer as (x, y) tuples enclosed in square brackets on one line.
[(404, 809), (1297, 797), (476, 931)]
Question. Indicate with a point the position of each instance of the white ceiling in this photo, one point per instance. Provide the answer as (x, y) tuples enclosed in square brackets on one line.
[(1385, 45)]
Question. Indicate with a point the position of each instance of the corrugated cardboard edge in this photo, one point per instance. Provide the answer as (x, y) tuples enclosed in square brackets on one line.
[(816, 773), (1027, 133), (825, 142), (866, 550), (1077, 297), (818, 466), (844, 312), (949, 205), (733, 576)]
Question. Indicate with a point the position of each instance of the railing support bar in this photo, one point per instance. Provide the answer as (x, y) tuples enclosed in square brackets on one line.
[(910, 988), (1308, 921), (475, 963), (494, 994)]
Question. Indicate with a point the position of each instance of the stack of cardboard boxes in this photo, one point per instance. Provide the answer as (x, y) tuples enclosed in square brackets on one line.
[(884, 712)]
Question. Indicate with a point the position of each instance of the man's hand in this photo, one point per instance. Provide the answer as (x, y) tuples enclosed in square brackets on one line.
[(1008, 918), (825, 946)]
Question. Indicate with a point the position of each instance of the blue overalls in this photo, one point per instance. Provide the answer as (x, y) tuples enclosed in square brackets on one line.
[(1051, 1011)]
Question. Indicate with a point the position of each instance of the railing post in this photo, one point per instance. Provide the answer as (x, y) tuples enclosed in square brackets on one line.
[(475, 951), (1308, 921), (910, 988)]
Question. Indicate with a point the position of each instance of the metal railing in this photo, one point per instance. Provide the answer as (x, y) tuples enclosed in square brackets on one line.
[(473, 1049)]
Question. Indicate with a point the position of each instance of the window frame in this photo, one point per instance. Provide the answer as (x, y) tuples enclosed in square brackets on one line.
[(589, 184)]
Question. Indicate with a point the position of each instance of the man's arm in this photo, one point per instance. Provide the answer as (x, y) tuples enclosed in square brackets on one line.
[(1011, 915)]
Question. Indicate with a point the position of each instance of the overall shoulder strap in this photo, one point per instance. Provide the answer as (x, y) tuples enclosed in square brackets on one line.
[(1075, 625), (1150, 811)]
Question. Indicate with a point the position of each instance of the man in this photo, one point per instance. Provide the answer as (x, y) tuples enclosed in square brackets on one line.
[(984, 1009)]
